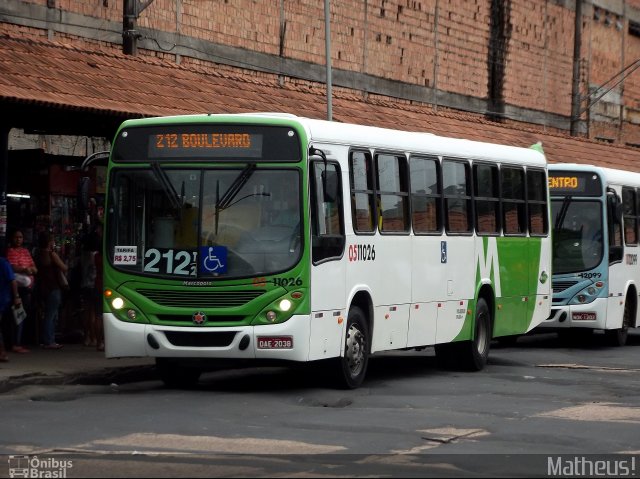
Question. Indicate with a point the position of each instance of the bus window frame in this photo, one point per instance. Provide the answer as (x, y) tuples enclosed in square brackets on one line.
[(634, 215), (468, 197), (514, 201), (403, 177), (371, 192), (341, 210), (498, 199), (545, 202), (438, 196)]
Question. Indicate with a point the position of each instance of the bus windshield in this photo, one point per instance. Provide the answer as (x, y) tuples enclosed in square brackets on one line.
[(577, 235), (202, 223)]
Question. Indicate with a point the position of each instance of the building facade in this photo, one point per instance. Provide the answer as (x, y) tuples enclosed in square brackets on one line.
[(508, 60)]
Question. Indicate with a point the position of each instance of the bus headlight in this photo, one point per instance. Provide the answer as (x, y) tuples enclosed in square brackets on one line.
[(588, 294), (117, 303), (285, 305), (281, 309)]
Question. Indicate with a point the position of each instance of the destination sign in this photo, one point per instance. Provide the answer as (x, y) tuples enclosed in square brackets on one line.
[(211, 144), (575, 183), (206, 141)]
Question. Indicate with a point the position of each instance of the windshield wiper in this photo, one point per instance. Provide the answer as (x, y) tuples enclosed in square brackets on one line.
[(238, 183), (167, 187), (236, 186), (563, 211)]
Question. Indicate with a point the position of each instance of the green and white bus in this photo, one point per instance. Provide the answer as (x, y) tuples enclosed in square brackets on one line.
[(274, 237), (595, 213)]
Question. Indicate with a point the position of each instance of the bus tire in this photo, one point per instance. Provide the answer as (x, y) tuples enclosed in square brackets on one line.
[(352, 366), (176, 376), (618, 337), (474, 353), (469, 355)]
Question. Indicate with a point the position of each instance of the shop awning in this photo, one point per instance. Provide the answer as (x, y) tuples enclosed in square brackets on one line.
[(51, 87)]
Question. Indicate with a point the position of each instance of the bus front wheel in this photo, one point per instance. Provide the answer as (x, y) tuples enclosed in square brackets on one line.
[(352, 366)]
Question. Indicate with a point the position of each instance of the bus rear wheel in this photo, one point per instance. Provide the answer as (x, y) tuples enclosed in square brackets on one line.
[(352, 366), (176, 376), (618, 337), (470, 355)]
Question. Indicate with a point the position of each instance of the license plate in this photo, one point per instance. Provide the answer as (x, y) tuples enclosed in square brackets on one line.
[(275, 342), (583, 316)]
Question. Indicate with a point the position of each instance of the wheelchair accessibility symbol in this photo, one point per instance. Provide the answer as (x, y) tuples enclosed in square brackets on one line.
[(213, 259)]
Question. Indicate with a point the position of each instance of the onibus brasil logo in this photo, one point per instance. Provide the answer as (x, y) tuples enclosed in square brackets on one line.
[(27, 466)]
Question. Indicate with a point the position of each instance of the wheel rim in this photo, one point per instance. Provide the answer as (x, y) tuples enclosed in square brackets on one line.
[(481, 334), (355, 353)]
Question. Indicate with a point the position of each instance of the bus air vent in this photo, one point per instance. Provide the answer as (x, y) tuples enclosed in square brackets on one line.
[(200, 339), (560, 286), (200, 299)]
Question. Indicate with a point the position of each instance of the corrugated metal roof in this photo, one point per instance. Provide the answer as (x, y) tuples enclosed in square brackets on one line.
[(34, 71)]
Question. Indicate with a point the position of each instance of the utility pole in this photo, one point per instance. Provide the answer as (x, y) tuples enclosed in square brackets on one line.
[(327, 35), (575, 85), (131, 10)]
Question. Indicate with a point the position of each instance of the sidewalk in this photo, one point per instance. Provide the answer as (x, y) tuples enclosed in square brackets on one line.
[(72, 364)]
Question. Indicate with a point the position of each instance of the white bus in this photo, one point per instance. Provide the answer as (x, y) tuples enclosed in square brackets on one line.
[(391, 240), (595, 250)]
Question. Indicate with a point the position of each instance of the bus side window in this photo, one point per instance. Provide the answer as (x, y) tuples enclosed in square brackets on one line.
[(487, 199), (392, 193), (456, 182), (614, 219), (327, 218), (426, 195), (630, 216), (537, 202), (363, 208), (513, 201)]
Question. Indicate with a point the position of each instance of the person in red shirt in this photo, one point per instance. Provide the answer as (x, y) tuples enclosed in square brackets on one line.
[(24, 269)]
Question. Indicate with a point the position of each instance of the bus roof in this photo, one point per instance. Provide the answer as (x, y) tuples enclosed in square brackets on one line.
[(608, 175), (323, 131)]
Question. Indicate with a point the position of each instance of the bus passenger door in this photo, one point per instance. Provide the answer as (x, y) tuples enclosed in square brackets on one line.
[(328, 283)]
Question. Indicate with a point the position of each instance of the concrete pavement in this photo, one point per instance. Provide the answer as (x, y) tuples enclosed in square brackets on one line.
[(72, 364)]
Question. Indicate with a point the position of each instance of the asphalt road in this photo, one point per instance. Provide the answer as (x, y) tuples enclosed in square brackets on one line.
[(539, 404)]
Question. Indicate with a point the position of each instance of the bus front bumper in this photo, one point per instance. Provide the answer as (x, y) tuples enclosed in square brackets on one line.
[(589, 316), (287, 341)]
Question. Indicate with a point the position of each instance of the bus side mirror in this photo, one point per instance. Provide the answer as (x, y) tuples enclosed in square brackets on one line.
[(83, 193), (330, 186), (615, 207), (615, 253)]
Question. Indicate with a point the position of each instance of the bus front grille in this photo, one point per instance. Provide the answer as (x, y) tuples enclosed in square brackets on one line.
[(560, 286), (200, 299), (200, 339), (181, 318)]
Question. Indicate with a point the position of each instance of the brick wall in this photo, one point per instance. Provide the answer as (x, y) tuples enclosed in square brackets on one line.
[(411, 41)]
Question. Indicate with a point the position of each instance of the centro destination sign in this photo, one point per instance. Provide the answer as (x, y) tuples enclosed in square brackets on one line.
[(204, 144), (574, 183)]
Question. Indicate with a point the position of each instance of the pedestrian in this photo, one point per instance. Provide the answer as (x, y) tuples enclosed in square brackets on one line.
[(8, 290), (24, 269), (90, 245), (98, 301), (51, 270)]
